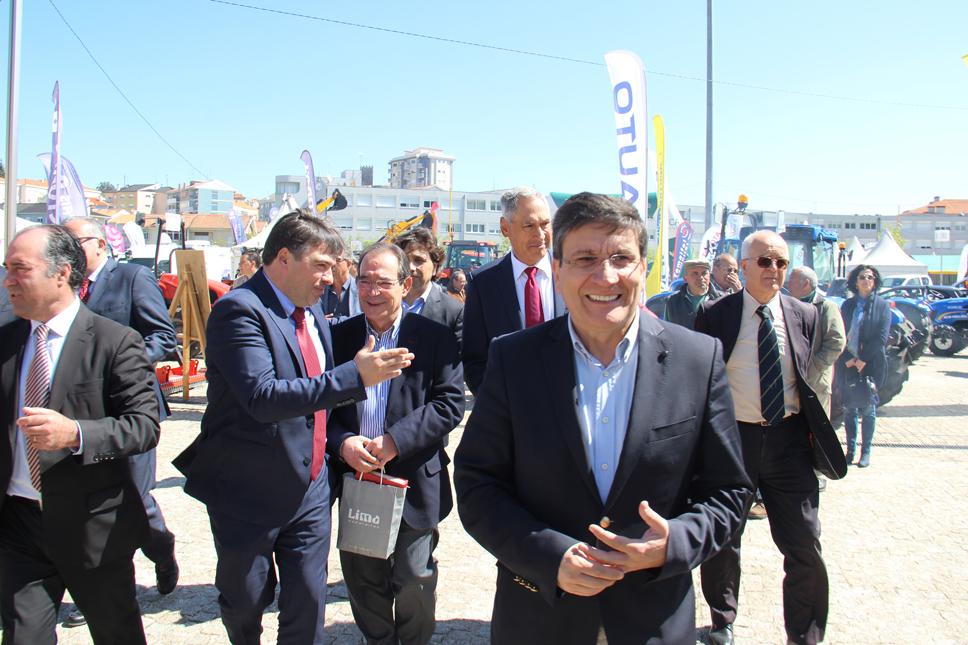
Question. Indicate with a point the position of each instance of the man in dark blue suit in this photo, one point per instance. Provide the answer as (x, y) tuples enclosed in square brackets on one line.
[(601, 462), (258, 463), (515, 292), (129, 295), (401, 426)]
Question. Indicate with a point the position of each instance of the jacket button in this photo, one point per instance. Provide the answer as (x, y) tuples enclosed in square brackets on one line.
[(307, 461)]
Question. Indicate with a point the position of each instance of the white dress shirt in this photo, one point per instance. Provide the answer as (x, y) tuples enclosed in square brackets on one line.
[(20, 484), (542, 276), (743, 367)]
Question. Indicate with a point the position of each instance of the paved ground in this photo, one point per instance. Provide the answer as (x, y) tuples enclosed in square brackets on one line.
[(894, 539)]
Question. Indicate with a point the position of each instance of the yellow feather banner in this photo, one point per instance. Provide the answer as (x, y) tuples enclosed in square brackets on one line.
[(654, 283)]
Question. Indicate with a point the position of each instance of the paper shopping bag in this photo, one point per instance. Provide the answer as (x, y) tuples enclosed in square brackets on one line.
[(370, 510)]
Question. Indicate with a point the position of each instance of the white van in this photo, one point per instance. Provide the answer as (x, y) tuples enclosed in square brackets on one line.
[(905, 281)]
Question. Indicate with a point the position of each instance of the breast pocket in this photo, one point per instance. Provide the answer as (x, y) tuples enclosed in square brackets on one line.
[(673, 430)]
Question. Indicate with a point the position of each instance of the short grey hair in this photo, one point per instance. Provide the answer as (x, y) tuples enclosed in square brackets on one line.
[(92, 225), (807, 274), (510, 199)]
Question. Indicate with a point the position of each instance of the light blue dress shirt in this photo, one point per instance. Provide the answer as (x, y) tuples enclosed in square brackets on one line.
[(373, 409), (604, 402)]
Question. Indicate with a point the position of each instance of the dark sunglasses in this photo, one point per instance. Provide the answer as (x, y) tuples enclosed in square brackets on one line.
[(765, 262)]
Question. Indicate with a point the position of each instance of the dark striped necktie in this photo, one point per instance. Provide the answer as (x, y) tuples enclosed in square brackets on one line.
[(771, 375)]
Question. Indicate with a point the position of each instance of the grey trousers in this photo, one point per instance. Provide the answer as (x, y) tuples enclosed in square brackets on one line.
[(393, 600)]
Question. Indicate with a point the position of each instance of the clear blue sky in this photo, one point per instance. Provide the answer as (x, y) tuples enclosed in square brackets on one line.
[(241, 93)]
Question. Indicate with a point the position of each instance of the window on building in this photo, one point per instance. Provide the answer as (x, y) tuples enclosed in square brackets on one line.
[(496, 206), (364, 199), (473, 228), (494, 229), (364, 224), (385, 201), (408, 202), (476, 204)]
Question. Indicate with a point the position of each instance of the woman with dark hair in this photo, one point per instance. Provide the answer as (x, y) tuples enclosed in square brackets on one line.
[(862, 367)]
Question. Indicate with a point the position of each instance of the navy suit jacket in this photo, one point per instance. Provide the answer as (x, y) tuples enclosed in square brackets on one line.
[(253, 456), (129, 295), (491, 309), (93, 513), (721, 319), (424, 404), (526, 493), (446, 310)]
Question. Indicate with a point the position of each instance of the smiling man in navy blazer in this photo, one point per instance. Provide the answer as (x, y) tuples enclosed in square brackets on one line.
[(401, 426), (515, 292), (258, 464), (601, 462)]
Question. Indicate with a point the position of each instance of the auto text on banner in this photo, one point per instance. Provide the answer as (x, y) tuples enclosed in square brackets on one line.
[(627, 74), (68, 188), (307, 159)]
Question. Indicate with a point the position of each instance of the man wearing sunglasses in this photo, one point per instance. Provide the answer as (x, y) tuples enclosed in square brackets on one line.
[(767, 342)]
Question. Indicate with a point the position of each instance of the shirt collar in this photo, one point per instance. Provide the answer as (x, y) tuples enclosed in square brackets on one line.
[(394, 328), (423, 296), (751, 304), (622, 351), (61, 323), (97, 272), (287, 305), (518, 267)]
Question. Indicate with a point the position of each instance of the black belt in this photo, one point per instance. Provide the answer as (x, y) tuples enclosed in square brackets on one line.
[(35, 503), (763, 424)]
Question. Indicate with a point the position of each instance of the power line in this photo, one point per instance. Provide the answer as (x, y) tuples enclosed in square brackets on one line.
[(581, 61), (123, 95)]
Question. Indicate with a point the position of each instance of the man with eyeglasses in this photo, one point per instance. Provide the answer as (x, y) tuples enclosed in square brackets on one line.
[(399, 427), (601, 462), (259, 462), (767, 345), (129, 294)]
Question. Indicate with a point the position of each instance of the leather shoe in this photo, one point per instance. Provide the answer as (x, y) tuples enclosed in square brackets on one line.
[(166, 575), (721, 636), (75, 619), (757, 512)]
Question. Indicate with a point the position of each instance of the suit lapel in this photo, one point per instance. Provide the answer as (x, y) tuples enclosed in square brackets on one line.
[(76, 344), (559, 362), (650, 381), (732, 319), (411, 340), (103, 283), (509, 296)]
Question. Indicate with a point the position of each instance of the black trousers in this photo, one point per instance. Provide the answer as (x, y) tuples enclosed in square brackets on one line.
[(779, 461), (32, 586), (394, 600), (160, 547)]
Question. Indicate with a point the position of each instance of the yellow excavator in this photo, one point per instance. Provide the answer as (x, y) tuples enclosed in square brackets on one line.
[(428, 219)]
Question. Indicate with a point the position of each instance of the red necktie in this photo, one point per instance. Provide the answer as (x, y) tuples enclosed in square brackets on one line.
[(85, 291), (37, 395), (311, 359), (533, 311)]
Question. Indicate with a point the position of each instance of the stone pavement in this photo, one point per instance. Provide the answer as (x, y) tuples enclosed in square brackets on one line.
[(895, 540)]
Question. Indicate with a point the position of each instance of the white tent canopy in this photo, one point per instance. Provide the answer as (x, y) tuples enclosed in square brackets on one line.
[(890, 259), (855, 251)]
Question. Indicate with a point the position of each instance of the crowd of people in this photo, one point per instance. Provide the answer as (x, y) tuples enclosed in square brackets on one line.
[(610, 450)]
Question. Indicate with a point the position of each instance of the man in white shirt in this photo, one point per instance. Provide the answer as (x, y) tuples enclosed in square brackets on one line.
[(515, 292), (767, 345), (78, 398)]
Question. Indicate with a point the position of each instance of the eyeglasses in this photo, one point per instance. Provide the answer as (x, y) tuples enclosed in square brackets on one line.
[(765, 262), (376, 285), (621, 262), (865, 277), (82, 240)]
